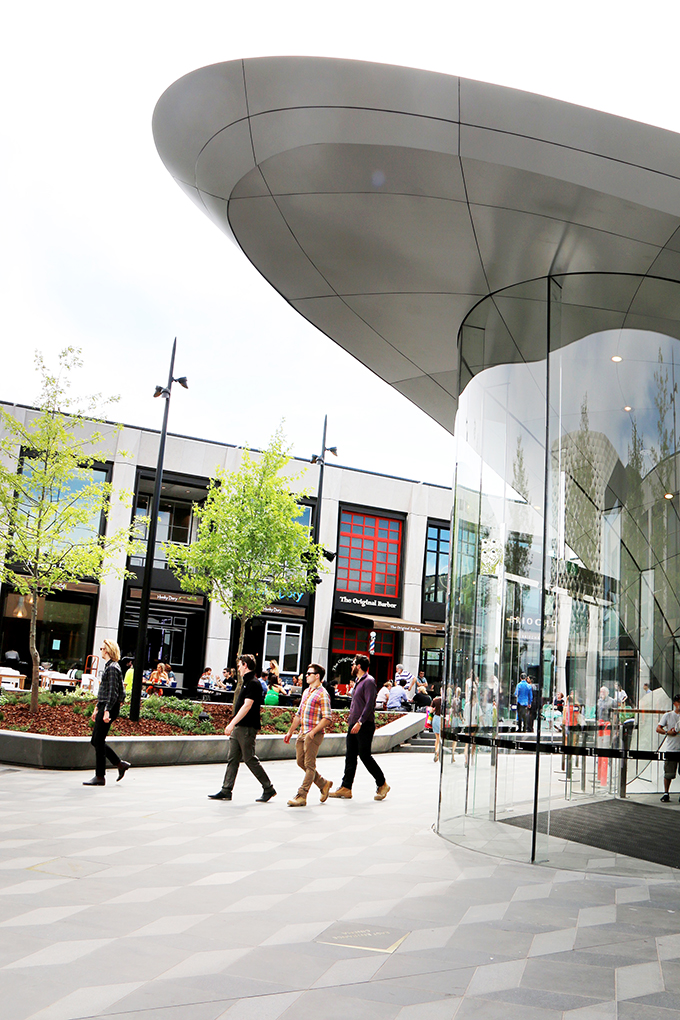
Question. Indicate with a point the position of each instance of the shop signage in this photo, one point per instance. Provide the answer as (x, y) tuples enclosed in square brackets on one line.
[(293, 598), (173, 597), (379, 605), (279, 610)]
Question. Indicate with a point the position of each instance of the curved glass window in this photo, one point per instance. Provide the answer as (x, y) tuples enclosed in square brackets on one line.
[(564, 617)]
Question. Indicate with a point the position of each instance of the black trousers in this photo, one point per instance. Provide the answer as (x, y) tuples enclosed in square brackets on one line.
[(524, 718), (359, 746), (98, 740)]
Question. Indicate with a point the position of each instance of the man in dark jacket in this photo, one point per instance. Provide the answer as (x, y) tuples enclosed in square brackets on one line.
[(242, 731), (360, 730)]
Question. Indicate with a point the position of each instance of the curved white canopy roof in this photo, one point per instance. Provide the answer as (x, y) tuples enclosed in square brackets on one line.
[(383, 202)]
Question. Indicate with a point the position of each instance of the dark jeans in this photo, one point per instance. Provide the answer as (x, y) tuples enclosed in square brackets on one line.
[(242, 749), (524, 718), (359, 746), (98, 740)]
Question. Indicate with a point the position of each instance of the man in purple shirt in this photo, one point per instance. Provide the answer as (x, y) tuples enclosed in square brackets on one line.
[(360, 730)]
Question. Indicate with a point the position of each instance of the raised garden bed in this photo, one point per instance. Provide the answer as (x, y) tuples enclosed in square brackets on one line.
[(70, 715)]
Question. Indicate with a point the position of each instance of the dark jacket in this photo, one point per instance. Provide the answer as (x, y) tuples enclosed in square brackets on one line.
[(111, 691)]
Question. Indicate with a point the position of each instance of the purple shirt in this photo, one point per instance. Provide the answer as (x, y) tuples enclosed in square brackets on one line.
[(362, 707)]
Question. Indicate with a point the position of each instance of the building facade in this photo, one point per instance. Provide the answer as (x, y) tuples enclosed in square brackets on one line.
[(386, 586)]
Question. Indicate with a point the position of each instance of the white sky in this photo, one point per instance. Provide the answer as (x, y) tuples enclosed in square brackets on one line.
[(103, 251)]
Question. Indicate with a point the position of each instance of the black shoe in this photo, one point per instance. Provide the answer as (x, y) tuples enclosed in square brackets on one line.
[(123, 766), (221, 795), (95, 781), (266, 795), (665, 799)]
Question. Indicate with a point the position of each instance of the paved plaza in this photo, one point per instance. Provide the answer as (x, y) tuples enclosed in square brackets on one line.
[(147, 900)]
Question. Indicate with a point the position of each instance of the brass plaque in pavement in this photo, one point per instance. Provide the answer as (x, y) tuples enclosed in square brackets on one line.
[(371, 937)]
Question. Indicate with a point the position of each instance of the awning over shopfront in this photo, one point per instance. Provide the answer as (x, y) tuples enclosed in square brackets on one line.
[(391, 623)]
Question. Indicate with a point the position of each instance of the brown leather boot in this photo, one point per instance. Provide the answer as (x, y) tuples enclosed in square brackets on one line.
[(325, 790), (342, 793)]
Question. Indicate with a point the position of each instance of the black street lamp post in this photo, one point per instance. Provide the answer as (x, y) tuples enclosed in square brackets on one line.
[(140, 653), (316, 531)]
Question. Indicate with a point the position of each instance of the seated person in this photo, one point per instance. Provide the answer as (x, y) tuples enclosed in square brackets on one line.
[(172, 680), (206, 679), (158, 679), (383, 695), (223, 682), (274, 691), (398, 699)]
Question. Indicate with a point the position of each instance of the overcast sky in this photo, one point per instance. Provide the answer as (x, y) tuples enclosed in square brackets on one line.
[(103, 251)]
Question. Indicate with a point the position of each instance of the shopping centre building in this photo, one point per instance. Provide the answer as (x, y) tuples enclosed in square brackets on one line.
[(398, 592), (511, 264)]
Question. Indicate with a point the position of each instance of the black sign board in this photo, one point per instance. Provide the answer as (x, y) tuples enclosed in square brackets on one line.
[(374, 605)]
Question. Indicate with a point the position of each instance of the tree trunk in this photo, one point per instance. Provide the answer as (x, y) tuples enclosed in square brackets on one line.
[(241, 639), (35, 684)]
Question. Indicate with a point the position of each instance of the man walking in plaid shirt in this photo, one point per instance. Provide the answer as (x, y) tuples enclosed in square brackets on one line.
[(313, 716)]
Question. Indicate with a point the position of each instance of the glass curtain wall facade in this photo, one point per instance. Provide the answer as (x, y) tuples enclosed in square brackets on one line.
[(563, 637)]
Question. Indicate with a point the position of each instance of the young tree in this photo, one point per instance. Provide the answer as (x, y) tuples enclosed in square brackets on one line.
[(250, 550), (51, 504)]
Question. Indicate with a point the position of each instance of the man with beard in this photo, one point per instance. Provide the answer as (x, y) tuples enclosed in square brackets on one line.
[(242, 731), (360, 730)]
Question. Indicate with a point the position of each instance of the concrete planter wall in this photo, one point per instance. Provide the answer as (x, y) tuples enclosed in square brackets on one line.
[(41, 751)]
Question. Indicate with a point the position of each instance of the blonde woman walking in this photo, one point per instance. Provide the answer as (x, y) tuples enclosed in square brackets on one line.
[(111, 695)]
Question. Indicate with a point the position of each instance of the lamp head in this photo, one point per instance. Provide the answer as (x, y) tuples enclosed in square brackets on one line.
[(333, 450), (158, 392), (315, 459), (183, 382)]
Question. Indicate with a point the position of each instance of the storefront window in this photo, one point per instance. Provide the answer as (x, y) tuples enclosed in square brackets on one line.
[(175, 523), (369, 554), (282, 642), (435, 583), (63, 629)]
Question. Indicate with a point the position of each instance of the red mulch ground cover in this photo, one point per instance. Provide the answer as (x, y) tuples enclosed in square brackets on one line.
[(64, 721)]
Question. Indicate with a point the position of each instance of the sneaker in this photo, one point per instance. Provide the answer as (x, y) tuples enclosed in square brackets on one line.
[(220, 795), (266, 795), (382, 792), (665, 799), (298, 802), (325, 790), (342, 793)]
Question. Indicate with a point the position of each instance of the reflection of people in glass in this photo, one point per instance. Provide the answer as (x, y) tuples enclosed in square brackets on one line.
[(669, 726), (572, 722), (455, 719), (471, 722), (524, 696), (437, 724), (604, 708)]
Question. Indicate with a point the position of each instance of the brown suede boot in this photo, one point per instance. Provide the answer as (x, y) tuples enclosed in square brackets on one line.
[(298, 802), (342, 793)]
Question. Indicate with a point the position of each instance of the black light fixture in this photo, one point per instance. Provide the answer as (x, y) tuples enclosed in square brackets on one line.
[(140, 653)]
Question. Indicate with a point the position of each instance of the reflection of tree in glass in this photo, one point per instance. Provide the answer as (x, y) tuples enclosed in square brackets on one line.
[(664, 400), (519, 542), (582, 503)]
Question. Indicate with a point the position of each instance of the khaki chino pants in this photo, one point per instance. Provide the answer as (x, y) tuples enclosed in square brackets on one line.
[(306, 750)]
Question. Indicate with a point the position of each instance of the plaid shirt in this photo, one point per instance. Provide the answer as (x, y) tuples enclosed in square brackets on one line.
[(110, 686), (315, 706)]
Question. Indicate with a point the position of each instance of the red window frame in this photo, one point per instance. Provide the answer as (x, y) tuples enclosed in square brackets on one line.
[(353, 641), (369, 554)]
